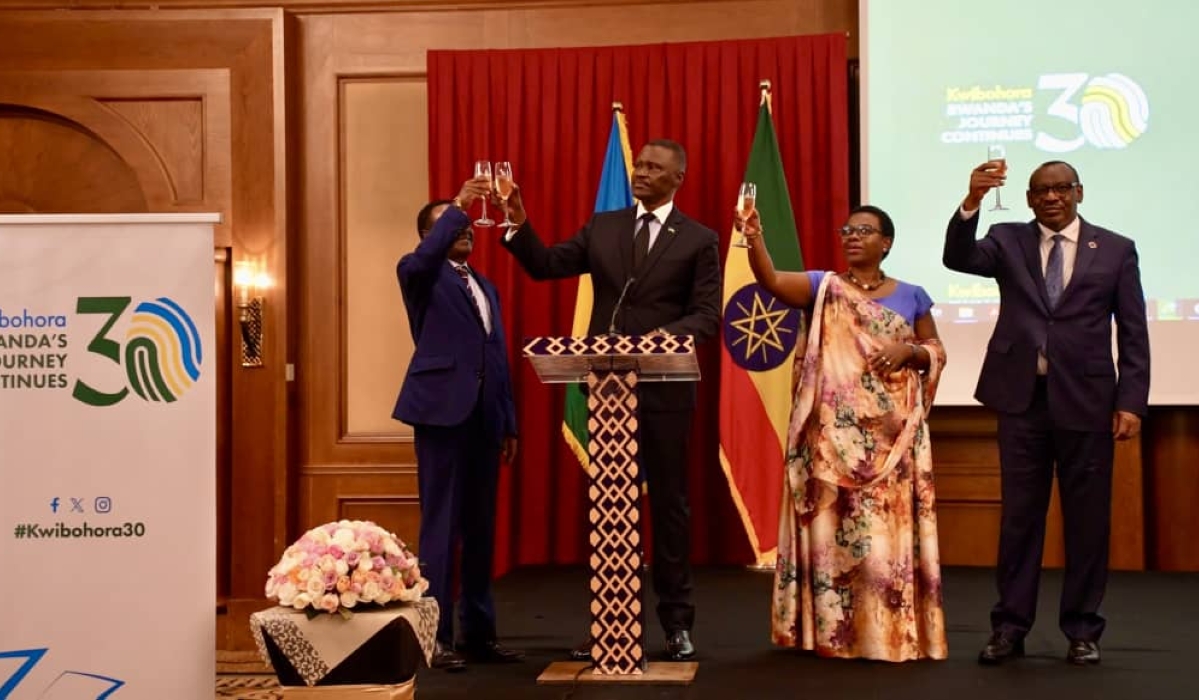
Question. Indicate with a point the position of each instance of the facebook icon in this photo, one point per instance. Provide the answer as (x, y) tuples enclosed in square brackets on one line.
[(54, 504)]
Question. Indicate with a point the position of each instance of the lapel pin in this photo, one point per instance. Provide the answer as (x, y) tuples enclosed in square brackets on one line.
[(669, 229), (1092, 244)]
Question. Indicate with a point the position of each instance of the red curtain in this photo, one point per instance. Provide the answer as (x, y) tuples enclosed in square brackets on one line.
[(548, 113)]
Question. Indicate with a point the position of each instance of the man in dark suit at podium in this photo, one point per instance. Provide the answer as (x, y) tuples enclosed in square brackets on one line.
[(1049, 374), (653, 270), (458, 397)]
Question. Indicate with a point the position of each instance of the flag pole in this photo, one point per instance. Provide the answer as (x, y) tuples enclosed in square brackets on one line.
[(764, 86)]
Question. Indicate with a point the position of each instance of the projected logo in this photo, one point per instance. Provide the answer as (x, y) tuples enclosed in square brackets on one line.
[(162, 353), (1114, 112), (1102, 111)]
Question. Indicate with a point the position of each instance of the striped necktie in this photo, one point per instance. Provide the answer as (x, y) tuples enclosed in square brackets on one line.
[(1053, 271)]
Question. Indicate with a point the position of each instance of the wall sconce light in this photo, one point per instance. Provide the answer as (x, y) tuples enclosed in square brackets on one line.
[(249, 281)]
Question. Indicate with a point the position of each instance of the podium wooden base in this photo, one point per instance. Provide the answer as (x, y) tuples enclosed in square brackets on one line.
[(656, 673)]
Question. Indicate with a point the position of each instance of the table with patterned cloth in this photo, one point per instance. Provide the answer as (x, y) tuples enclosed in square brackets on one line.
[(377, 650)]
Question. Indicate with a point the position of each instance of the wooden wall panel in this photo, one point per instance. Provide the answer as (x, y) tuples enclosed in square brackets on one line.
[(384, 137), (191, 103), (1172, 488), (966, 461), (174, 128)]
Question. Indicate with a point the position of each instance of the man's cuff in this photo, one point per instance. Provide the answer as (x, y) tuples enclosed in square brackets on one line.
[(965, 213)]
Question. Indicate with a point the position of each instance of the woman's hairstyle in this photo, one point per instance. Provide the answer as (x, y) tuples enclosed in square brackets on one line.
[(884, 220)]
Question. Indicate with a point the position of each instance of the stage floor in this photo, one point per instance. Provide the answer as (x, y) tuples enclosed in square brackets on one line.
[(1149, 649)]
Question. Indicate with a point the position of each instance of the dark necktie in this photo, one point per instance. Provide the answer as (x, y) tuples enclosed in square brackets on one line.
[(464, 272), (641, 240), (1053, 271)]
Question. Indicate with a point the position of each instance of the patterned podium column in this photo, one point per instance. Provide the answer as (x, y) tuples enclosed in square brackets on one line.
[(617, 613), (612, 366)]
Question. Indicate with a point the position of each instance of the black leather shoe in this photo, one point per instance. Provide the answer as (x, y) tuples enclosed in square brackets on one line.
[(1082, 652), (583, 651), (999, 649), (447, 659), (491, 652), (679, 646)]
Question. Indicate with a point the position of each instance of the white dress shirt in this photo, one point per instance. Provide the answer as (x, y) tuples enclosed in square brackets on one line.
[(661, 214)]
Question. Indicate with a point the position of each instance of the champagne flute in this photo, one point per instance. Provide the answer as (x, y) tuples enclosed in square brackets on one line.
[(747, 198), (998, 153), (503, 188), (483, 169)]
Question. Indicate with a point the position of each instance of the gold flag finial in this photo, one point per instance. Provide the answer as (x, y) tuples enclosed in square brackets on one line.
[(764, 86), (617, 107)]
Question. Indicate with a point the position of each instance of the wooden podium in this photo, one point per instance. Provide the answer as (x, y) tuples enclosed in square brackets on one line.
[(613, 366)]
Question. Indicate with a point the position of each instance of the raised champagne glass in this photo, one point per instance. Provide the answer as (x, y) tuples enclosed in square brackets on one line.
[(503, 188), (747, 198), (998, 154), (483, 170)]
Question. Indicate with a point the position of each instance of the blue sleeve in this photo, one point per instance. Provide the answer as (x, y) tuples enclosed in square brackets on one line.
[(815, 277), (923, 302)]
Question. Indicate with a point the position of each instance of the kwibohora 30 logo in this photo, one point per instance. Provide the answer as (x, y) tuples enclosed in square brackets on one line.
[(1106, 112), (162, 352)]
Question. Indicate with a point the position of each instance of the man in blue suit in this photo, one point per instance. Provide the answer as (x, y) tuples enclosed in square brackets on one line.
[(1060, 399), (458, 398)]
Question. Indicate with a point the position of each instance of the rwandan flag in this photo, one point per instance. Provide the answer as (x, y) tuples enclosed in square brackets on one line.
[(615, 192), (760, 335)]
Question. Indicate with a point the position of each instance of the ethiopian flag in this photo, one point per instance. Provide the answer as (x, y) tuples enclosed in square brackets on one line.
[(760, 336), (615, 192)]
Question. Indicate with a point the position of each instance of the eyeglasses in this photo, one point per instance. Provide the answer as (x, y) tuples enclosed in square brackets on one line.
[(859, 231), (1061, 189)]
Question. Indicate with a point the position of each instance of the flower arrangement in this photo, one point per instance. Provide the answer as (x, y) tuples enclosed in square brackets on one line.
[(340, 566)]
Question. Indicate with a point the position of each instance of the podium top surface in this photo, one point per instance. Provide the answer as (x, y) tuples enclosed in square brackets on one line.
[(59, 219), (656, 358)]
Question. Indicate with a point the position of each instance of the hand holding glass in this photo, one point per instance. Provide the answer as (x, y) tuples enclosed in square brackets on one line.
[(483, 170), (747, 198), (503, 188), (998, 153)]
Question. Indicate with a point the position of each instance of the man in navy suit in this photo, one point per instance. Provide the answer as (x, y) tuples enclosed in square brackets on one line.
[(457, 395), (653, 270), (1049, 374)]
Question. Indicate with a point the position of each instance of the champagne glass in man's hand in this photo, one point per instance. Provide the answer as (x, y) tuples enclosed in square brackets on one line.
[(504, 185), (483, 172), (997, 155)]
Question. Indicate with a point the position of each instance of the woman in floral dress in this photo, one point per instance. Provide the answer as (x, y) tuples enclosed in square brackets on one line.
[(858, 572)]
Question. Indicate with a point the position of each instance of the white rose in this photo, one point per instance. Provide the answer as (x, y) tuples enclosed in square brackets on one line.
[(344, 538), (302, 600), (390, 547), (315, 587), (341, 567), (371, 591), (329, 602), (365, 564), (286, 593), (349, 599)]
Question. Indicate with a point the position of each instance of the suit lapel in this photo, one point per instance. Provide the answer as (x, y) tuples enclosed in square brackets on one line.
[(624, 241), (1031, 245), (666, 236), (1084, 255)]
